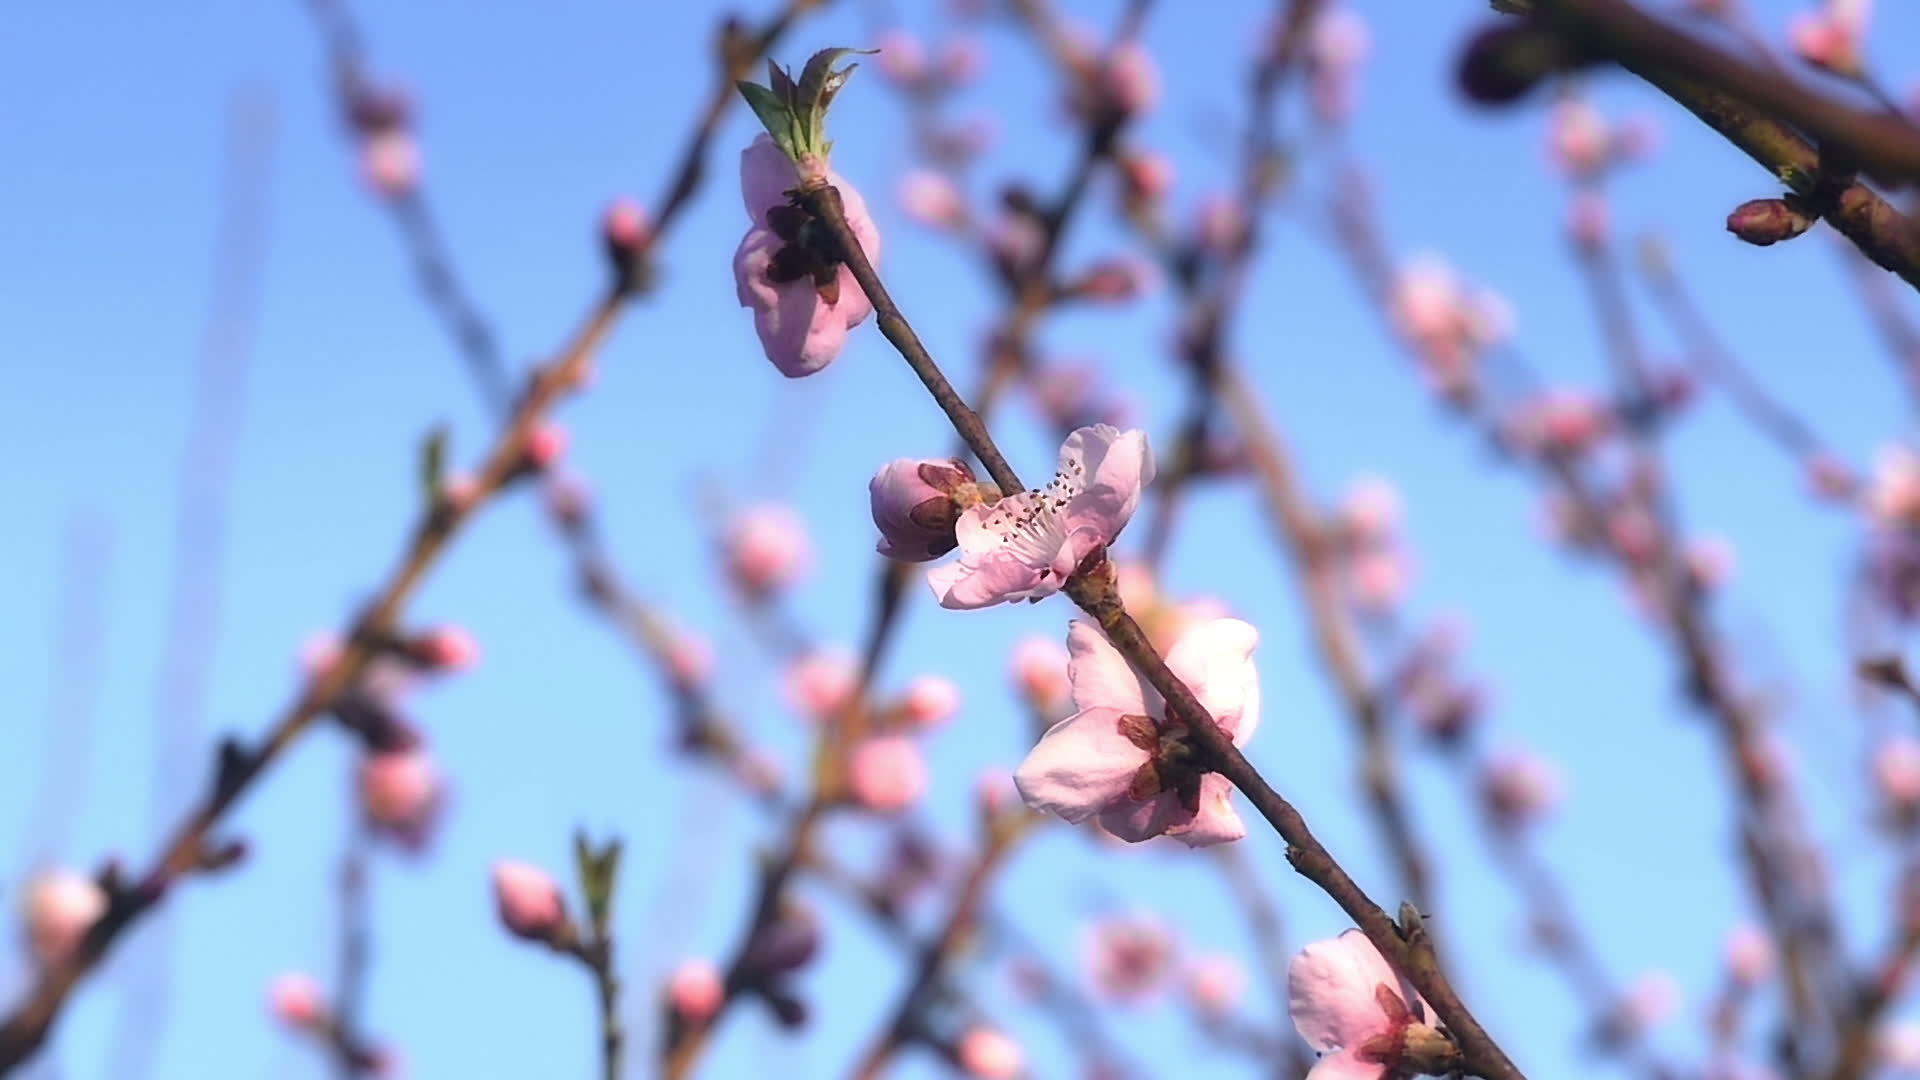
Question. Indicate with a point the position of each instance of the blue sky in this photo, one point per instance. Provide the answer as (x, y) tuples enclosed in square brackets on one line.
[(531, 118)]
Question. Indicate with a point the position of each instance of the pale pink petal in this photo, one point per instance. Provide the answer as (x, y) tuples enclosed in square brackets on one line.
[(1330, 991), (981, 582), (1215, 660), (1079, 766), (765, 175), (1100, 676), (1217, 822), (1115, 466), (1136, 821), (1346, 1065)]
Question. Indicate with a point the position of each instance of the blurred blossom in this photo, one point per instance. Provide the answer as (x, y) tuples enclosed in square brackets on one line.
[(802, 319), (297, 1001), (1072, 396), (1128, 958), (446, 648), (993, 788), (1831, 37), (1337, 45), (1898, 1044), (689, 658), (1220, 225), (1750, 955), (887, 773), (60, 907), (1634, 534), (390, 161), (624, 227), (1378, 577), (1146, 176), (822, 682), (1027, 544), (545, 445), (528, 901), (1711, 561), (961, 59), (1040, 672), (766, 549), (1894, 498), (903, 59), (1636, 137), (1370, 512), (1896, 770), (1137, 589), (931, 700), (1519, 786), (1342, 995), (989, 1054), (1650, 1001), (1578, 140), (400, 793), (1446, 321), (1119, 758), (1114, 281), (1830, 478), (695, 991), (1016, 239), (931, 199), (1562, 421), (1129, 80), (1589, 220), (1215, 983)]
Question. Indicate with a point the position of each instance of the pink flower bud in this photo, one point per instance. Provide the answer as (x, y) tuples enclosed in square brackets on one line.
[(766, 549), (1370, 513), (1650, 1001), (689, 658), (1040, 672), (903, 59), (916, 503), (625, 228), (390, 161), (1711, 561), (1763, 222), (1895, 496), (1215, 983), (886, 773), (1589, 220), (931, 700), (1129, 81), (460, 491), (695, 991), (400, 792), (1577, 138), (993, 790), (528, 900), (1519, 786), (1896, 769), (1830, 39), (61, 906), (1115, 282), (446, 648), (1128, 958), (931, 199), (821, 683), (297, 1001), (545, 444), (1146, 176), (989, 1054), (1750, 956), (1379, 578)]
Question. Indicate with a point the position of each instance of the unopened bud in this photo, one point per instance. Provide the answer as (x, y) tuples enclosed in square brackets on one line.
[(695, 992), (1767, 221), (917, 501), (529, 902)]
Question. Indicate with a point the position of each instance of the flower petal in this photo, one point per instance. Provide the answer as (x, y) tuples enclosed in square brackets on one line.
[(1080, 766), (994, 578), (1136, 821), (1217, 822), (1330, 991), (1100, 676), (1346, 1065), (1113, 466), (765, 175), (1215, 660)]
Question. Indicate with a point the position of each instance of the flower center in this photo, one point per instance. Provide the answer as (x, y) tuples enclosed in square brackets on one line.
[(1032, 524)]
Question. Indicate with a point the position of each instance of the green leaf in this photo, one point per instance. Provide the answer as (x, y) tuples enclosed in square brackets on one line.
[(599, 869), (775, 115), (819, 82)]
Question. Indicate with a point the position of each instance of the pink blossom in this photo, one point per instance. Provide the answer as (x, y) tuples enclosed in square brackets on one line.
[(1562, 421), (528, 900), (916, 502), (1894, 498), (989, 1054), (1649, 1001), (1711, 561), (887, 773), (545, 444), (1371, 510), (822, 682), (695, 991), (390, 161), (1342, 995), (1577, 138), (903, 59), (1147, 175), (400, 791), (1026, 545), (624, 226), (1750, 955), (296, 1000), (766, 548), (800, 330), (931, 199), (461, 491), (1040, 672), (1112, 759), (1520, 786), (1128, 958), (1215, 984), (1896, 769), (447, 648), (1378, 577), (993, 789), (61, 906), (931, 700), (1831, 37), (1129, 79)]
